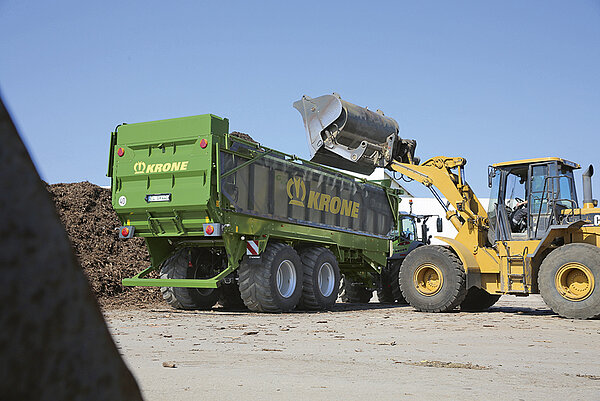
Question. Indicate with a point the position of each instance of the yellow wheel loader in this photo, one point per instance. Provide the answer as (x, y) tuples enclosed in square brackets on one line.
[(533, 238)]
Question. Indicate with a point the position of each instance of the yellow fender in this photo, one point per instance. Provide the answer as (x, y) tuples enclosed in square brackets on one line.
[(468, 260)]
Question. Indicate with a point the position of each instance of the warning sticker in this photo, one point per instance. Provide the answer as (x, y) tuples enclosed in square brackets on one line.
[(252, 248)]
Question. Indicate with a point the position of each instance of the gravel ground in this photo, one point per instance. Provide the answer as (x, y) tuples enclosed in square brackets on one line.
[(517, 350)]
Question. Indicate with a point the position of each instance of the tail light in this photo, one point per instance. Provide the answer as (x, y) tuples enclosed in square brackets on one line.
[(212, 229), (126, 231)]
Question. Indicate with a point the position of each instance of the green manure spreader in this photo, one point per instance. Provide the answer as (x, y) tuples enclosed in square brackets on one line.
[(228, 220)]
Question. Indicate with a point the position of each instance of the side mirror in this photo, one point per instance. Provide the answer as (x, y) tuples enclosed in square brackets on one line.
[(439, 225), (491, 175)]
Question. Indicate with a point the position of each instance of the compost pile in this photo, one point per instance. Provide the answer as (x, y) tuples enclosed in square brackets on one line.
[(91, 223), (243, 136)]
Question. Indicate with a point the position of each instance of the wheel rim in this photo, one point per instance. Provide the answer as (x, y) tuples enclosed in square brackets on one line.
[(574, 281), (286, 279), (428, 279), (326, 279)]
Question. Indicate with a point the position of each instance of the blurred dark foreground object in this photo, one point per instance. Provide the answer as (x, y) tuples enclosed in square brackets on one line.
[(54, 342)]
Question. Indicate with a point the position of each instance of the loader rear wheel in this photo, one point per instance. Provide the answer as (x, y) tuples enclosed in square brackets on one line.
[(272, 283), (186, 263), (354, 292), (321, 279), (230, 297), (388, 291), (478, 300), (567, 281), (432, 279)]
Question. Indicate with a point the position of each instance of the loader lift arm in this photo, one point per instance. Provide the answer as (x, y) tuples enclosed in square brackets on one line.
[(437, 172)]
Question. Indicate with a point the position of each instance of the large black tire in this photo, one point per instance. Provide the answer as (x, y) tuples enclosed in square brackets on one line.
[(388, 291), (321, 279), (569, 281), (230, 297), (178, 267), (354, 292), (384, 290), (478, 300), (432, 279), (272, 283)]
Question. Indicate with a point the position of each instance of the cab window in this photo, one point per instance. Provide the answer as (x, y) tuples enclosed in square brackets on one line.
[(408, 229)]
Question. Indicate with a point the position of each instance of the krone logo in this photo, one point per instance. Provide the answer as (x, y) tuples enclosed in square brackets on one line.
[(143, 168), (296, 191), (139, 167)]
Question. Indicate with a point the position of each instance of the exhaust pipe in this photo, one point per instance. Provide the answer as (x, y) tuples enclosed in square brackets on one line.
[(588, 202), (346, 136)]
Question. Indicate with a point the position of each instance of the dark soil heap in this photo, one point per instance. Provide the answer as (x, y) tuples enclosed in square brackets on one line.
[(243, 136), (86, 212)]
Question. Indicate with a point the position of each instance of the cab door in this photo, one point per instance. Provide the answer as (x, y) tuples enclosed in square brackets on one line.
[(540, 190)]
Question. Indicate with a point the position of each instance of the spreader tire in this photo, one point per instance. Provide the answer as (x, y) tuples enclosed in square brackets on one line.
[(230, 297), (388, 291), (432, 279), (354, 292), (272, 283), (478, 300), (321, 279), (569, 281), (178, 267), (384, 290)]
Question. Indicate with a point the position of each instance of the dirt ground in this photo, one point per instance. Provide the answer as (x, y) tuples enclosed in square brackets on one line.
[(518, 350)]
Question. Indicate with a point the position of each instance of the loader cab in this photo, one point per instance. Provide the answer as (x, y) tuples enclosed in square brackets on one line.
[(528, 196)]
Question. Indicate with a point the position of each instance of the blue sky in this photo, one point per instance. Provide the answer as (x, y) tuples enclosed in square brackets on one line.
[(487, 81)]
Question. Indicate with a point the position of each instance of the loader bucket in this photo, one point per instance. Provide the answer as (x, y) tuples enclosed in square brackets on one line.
[(346, 136)]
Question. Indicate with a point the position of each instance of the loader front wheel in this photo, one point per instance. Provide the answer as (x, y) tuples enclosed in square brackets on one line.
[(568, 281), (321, 279), (432, 279), (478, 300), (187, 263), (272, 283)]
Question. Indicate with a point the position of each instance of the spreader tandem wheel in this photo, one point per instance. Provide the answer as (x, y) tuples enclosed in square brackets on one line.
[(187, 263), (354, 291), (272, 283), (388, 291), (230, 297), (321, 279)]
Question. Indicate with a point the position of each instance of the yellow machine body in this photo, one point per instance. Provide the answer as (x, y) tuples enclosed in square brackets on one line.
[(506, 266)]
